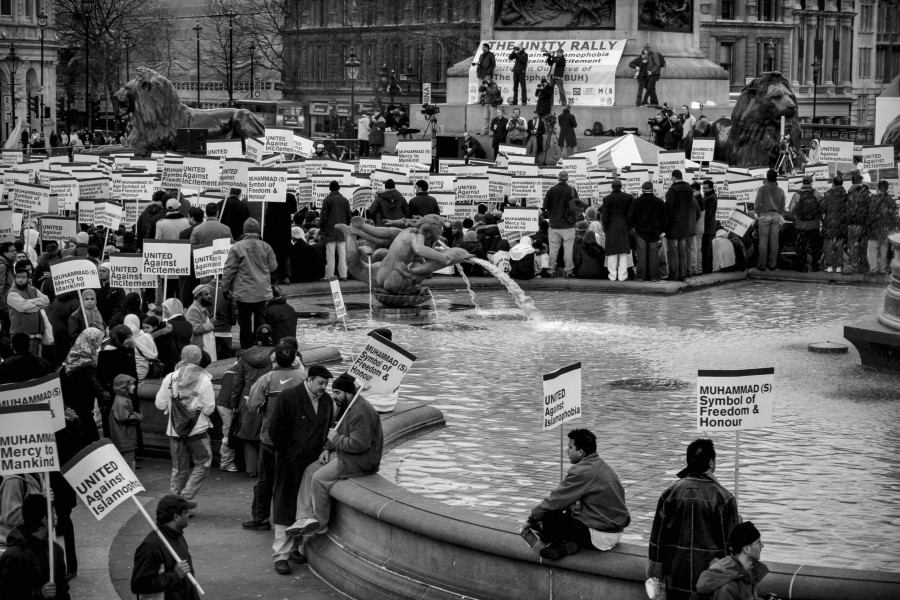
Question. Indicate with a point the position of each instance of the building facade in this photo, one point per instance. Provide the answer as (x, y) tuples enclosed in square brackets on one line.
[(826, 48), (24, 71), (401, 46)]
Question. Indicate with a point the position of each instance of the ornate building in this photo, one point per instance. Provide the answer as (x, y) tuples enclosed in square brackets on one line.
[(401, 46), (23, 68)]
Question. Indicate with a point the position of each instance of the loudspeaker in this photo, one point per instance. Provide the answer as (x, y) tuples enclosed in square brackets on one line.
[(449, 146), (191, 141)]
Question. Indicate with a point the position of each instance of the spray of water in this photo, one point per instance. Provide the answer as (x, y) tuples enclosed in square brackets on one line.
[(468, 286), (433, 304), (522, 300)]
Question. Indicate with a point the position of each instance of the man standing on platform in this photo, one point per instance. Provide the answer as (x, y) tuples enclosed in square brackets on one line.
[(335, 209), (299, 420), (520, 64), (587, 509), (692, 522), (769, 206), (562, 221)]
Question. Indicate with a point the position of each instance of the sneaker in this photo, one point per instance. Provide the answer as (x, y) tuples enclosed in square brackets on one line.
[(232, 468), (302, 527), (282, 567), (297, 558), (829, 270), (254, 525)]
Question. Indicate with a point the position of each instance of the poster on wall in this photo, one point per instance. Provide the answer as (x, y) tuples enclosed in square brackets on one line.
[(671, 16), (887, 122), (590, 76), (538, 14)]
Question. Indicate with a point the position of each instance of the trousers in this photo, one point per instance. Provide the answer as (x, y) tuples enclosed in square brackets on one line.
[(186, 481), (647, 265), (339, 248), (677, 256), (566, 237), (250, 316), (226, 452)]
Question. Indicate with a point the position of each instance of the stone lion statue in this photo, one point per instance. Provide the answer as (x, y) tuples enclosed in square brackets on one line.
[(750, 138), (891, 135), (157, 114)]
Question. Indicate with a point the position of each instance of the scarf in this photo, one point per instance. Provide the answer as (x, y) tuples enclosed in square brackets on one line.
[(522, 249), (84, 350), (94, 318), (188, 379), (143, 343), (172, 308)]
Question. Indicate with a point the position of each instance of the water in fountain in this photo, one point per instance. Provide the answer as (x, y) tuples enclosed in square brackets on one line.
[(521, 299), (468, 286), (434, 305)]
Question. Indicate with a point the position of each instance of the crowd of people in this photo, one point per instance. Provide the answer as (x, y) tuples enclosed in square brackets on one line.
[(75, 139)]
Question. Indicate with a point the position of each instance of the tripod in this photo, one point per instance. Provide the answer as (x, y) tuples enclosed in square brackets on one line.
[(432, 127), (785, 162)]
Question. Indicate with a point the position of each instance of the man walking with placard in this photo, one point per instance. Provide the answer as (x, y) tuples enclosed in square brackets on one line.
[(155, 570), (693, 518), (587, 509)]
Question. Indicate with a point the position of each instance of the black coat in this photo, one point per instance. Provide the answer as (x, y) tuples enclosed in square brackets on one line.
[(236, 212), (171, 344), (25, 567), (682, 210), (282, 317), (615, 222), (150, 556), (648, 217), (298, 433), (335, 210), (23, 367)]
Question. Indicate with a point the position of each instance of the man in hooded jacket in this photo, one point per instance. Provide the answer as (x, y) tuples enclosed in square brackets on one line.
[(738, 575), (389, 205)]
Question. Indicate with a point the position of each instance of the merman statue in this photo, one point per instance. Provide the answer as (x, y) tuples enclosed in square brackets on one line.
[(404, 254)]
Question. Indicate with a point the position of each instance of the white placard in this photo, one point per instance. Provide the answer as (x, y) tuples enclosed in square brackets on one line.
[(562, 396), (74, 273), (101, 478), (201, 172), (43, 390), (225, 148), (668, 161), (414, 151), (339, 309), (702, 149), (520, 219), (266, 184), (832, 151), (27, 440), (30, 197), (279, 140), (57, 229), (735, 400), (382, 364), (472, 190), (166, 257), (738, 222), (878, 157), (126, 271)]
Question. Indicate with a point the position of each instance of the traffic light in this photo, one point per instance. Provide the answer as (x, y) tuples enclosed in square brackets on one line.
[(47, 112), (34, 105)]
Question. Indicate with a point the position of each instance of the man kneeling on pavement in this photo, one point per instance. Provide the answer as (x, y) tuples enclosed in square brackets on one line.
[(353, 449), (587, 509)]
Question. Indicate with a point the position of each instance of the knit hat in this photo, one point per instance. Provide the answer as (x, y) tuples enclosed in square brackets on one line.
[(105, 265), (742, 534), (297, 233), (172, 204), (264, 335), (345, 382), (251, 225), (191, 354), (319, 371), (581, 226), (82, 237), (199, 289), (807, 179), (647, 186)]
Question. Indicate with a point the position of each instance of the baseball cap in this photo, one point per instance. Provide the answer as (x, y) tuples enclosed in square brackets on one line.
[(173, 204)]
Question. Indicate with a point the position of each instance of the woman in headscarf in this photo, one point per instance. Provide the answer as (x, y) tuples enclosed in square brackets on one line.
[(80, 387), (813, 154), (590, 258), (115, 358), (143, 343), (76, 319), (521, 259), (170, 344), (131, 305), (723, 252)]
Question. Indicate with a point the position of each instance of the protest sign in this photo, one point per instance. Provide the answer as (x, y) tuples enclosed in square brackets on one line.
[(166, 257), (225, 148), (126, 271), (201, 172), (734, 400), (339, 309), (440, 183), (172, 173), (30, 197), (279, 140), (668, 161), (74, 273), (303, 146), (254, 148), (445, 164), (57, 229), (101, 478), (724, 207), (738, 222), (44, 389), (499, 184), (96, 188), (382, 364), (832, 151), (520, 219), (10, 223), (66, 190), (562, 396), (446, 202), (414, 151), (362, 199), (266, 184), (878, 157), (9, 158), (207, 262), (744, 190), (235, 174), (509, 149), (702, 149), (472, 190), (27, 440), (818, 171), (108, 214)]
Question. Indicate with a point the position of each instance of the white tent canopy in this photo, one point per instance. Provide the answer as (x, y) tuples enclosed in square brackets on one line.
[(625, 151)]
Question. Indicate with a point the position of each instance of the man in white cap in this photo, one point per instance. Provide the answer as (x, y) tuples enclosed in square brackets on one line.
[(173, 223), (197, 314)]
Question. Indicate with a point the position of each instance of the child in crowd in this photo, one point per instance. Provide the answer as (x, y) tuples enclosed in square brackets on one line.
[(123, 427)]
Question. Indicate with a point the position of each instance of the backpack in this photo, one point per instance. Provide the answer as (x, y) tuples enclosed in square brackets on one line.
[(807, 206), (183, 418), (661, 60)]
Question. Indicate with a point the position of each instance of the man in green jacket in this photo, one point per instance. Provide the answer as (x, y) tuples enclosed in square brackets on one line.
[(587, 509)]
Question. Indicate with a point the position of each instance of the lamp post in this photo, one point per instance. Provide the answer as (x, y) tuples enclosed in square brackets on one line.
[(230, 16), (42, 23), (198, 29), (13, 58), (127, 40), (817, 68), (252, 80), (351, 69), (87, 7)]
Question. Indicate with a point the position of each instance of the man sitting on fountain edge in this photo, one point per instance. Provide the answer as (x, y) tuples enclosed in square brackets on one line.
[(587, 509)]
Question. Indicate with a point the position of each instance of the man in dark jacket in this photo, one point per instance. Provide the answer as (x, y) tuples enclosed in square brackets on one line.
[(804, 209), (354, 449), (277, 232), (560, 202), (25, 566), (423, 204), (109, 299), (710, 225), (473, 148), (693, 518), (335, 209), (833, 208), (299, 420), (389, 205), (520, 64), (858, 198), (233, 213), (486, 63), (281, 316), (593, 484), (769, 207), (498, 130), (147, 220), (614, 216), (557, 62), (155, 569), (648, 218), (23, 365), (682, 211), (881, 221), (737, 575)]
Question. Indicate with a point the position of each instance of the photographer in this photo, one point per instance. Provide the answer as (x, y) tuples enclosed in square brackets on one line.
[(544, 95), (641, 66), (557, 64), (520, 64), (490, 99), (498, 131), (534, 145), (516, 129)]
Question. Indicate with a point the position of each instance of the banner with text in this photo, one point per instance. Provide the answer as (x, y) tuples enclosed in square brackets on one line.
[(74, 273), (735, 400), (382, 364), (27, 440), (562, 396), (101, 478), (126, 271)]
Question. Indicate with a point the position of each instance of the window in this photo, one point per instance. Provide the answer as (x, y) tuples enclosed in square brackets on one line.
[(866, 18), (770, 53), (29, 8), (6, 8), (728, 9), (766, 10), (726, 59), (865, 63)]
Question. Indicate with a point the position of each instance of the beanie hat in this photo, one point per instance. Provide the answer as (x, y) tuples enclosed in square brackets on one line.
[(647, 186), (191, 354), (251, 225), (199, 289), (384, 332), (82, 237), (742, 534), (172, 204), (264, 335), (345, 382), (105, 265)]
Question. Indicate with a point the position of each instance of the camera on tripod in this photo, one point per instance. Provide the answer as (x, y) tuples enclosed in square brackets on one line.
[(430, 110)]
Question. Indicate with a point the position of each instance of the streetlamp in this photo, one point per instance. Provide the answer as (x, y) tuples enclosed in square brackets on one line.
[(230, 16), (351, 69), (87, 6), (198, 29), (13, 58), (252, 81), (127, 40), (42, 23), (817, 68)]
